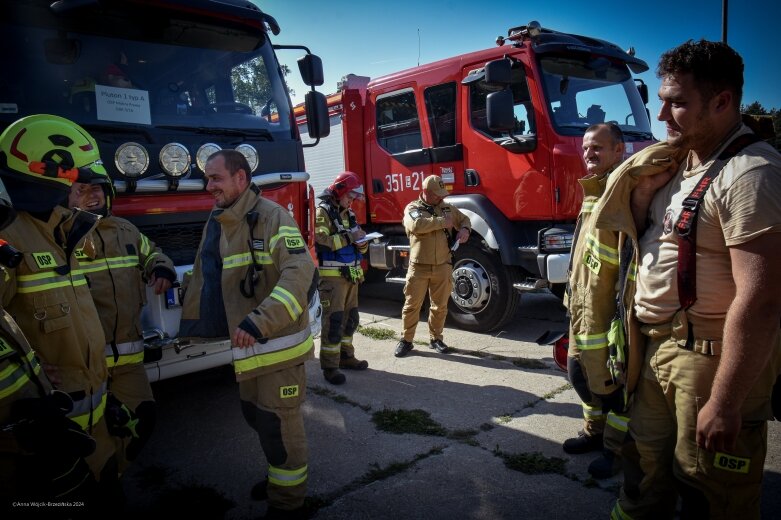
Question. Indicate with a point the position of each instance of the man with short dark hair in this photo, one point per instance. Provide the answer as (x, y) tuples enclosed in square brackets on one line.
[(712, 351), (592, 307), (250, 283)]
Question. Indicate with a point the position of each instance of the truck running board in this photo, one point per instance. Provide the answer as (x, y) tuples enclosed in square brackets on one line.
[(396, 279), (531, 285)]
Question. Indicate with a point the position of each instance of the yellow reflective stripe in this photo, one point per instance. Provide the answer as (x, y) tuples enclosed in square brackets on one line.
[(15, 376), (633, 271), (81, 409), (328, 348), (591, 341), (590, 412), (619, 422), (271, 358), (129, 359), (338, 242), (93, 266), (325, 271), (122, 261), (618, 514), (282, 232), (602, 251), (243, 259), (145, 247), (30, 283), (287, 299), (589, 206), (323, 229), (347, 340), (287, 477)]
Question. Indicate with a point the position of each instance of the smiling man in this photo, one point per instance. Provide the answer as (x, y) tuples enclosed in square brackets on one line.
[(592, 307), (123, 262), (250, 283), (698, 418)]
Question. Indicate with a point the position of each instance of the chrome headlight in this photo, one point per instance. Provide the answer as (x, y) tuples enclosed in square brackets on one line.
[(251, 154), (175, 159), (131, 159), (203, 153)]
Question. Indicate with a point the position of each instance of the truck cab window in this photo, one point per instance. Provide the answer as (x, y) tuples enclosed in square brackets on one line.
[(441, 109), (398, 126), (522, 110)]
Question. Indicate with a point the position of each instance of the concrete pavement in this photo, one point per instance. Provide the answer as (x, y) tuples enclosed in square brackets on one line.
[(500, 409)]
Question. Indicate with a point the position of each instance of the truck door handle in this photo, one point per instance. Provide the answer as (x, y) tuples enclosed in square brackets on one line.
[(471, 177), (191, 356)]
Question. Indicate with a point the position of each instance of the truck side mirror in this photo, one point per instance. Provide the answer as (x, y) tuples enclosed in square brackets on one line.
[(498, 72), (311, 68), (316, 107), (642, 88), (499, 111)]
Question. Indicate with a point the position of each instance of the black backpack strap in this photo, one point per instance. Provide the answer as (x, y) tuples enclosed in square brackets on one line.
[(687, 221)]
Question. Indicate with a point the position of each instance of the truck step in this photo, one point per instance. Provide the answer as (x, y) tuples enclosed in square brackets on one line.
[(531, 285), (396, 279)]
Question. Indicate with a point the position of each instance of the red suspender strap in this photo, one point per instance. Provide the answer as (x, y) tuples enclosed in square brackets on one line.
[(687, 221)]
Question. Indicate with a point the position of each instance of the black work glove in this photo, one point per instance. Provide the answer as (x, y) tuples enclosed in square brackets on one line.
[(120, 420), (42, 427)]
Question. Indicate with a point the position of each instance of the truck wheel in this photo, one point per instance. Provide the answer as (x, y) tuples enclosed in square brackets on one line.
[(483, 297)]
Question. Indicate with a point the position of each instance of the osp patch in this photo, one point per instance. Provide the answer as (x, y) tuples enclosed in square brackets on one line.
[(44, 260), (286, 392)]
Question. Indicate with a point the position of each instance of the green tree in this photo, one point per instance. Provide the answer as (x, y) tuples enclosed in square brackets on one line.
[(757, 109), (251, 84)]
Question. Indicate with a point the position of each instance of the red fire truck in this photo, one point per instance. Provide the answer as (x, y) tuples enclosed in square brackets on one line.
[(162, 84), (504, 128)]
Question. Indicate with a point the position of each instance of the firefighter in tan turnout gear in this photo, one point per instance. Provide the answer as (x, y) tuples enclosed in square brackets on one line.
[(592, 307), (41, 450), (250, 282), (122, 260), (339, 256), (432, 225), (47, 296)]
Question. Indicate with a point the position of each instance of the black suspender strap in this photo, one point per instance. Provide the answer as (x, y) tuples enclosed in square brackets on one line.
[(687, 221)]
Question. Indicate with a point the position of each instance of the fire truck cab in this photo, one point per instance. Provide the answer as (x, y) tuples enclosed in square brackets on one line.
[(503, 127), (161, 85)]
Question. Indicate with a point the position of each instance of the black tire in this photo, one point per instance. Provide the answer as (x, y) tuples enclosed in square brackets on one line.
[(491, 281)]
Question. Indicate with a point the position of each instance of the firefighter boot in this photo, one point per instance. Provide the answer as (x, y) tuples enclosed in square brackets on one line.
[(403, 348), (352, 363), (605, 466), (333, 376), (583, 443)]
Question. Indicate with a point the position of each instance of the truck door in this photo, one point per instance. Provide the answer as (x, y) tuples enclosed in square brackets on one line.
[(399, 162), (446, 153), (512, 173)]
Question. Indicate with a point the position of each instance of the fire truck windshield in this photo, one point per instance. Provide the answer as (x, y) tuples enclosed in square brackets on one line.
[(583, 92), (96, 79)]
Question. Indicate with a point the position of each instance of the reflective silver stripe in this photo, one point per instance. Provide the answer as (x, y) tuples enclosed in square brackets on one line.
[(28, 283), (85, 405), (287, 477), (271, 345), (127, 348), (334, 263), (618, 422), (14, 376), (330, 349), (590, 412)]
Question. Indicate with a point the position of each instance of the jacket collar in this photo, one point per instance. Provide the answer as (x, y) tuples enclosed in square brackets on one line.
[(238, 210)]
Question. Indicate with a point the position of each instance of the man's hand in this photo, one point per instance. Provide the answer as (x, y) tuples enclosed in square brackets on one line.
[(447, 221), (644, 192), (463, 235), (357, 234), (718, 427), (160, 284), (242, 339)]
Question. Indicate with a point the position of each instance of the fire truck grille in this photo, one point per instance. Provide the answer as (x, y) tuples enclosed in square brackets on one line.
[(178, 241)]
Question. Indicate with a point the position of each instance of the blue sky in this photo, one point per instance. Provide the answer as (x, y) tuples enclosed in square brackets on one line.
[(373, 38)]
